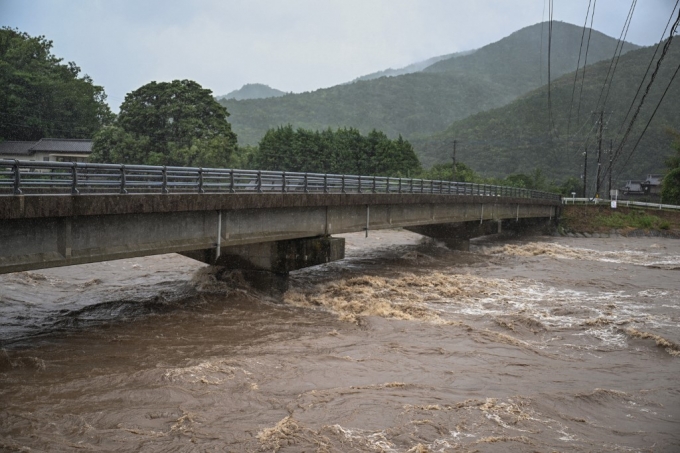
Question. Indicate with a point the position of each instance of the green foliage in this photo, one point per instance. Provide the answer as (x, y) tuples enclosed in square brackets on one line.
[(423, 103), (634, 219), (444, 172), (344, 151), (670, 188), (41, 97), (176, 123)]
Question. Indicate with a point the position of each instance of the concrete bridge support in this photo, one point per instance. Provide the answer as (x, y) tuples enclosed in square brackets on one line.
[(267, 264)]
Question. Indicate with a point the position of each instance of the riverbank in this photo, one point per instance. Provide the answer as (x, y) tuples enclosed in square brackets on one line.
[(596, 221)]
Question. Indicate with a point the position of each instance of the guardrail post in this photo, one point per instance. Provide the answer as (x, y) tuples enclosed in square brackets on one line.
[(164, 185), (342, 184), (387, 187), (283, 182), (17, 177), (74, 180), (373, 184), (359, 183), (306, 183), (422, 185), (231, 181), (200, 180), (325, 183), (399, 185), (258, 185), (123, 180)]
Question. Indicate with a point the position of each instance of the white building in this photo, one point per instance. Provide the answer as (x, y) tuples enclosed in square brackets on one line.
[(48, 149)]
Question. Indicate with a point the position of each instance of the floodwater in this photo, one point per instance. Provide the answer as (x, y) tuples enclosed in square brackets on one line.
[(540, 344)]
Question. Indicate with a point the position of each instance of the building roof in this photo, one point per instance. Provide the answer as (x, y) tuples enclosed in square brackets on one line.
[(23, 148), (54, 145)]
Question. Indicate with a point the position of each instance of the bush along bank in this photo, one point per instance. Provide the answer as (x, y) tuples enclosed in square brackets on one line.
[(603, 221)]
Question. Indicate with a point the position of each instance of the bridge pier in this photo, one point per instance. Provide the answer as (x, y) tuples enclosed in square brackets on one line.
[(457, 236), (266, 265)]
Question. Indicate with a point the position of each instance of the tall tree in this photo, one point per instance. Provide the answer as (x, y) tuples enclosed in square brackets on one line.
[(168, 123), (41, 97)]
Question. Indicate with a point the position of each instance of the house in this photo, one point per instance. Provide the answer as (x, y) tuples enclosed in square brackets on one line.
[(632, 188), (652, 185), (48, 149)]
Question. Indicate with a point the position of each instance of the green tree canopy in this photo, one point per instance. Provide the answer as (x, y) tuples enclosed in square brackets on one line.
[(41, 97), (670, 188), (344, 151), (168, 123)]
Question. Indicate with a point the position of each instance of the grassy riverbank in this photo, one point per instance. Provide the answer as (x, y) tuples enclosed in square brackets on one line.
[(603, 219)]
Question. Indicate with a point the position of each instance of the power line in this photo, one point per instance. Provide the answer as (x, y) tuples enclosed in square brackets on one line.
[(614, 61), (658, 46), (578, 63), (585, 63), (651, 117), (664, 51)]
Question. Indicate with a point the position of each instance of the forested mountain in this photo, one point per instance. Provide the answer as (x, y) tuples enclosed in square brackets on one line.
[(424, 102), (516, 138), (520, 61), (410, 69), (253, 91)]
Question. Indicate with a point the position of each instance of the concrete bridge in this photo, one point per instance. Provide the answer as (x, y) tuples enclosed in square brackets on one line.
[(60, 214)]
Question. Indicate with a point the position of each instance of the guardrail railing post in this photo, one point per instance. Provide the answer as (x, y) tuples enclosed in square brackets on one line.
[(325, 183), (373, 184), (200, 180), (306, 183), (359, 183), (164, 184), (17, 177), (342, 184), (283, 182), (399, 185), (123, 180), (258, 184), (232, 189), (74, 180)]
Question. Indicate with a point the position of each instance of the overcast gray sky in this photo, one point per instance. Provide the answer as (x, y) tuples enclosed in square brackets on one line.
[(292, 45)]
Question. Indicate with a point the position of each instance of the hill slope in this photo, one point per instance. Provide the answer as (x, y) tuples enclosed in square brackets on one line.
[(515, 138), (421, 103), (252, 91), (410, 69)]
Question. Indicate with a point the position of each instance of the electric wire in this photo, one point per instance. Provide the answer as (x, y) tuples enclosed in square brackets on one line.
[(585, 63), (651, 61), (578, 64), (614, 61)]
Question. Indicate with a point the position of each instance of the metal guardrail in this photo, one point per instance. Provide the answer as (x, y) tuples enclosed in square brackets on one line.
[(623, 203), (30, 177)]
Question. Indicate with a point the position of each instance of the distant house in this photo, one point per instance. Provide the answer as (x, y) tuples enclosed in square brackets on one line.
[(48, 149), (652, 185), (633, 188)]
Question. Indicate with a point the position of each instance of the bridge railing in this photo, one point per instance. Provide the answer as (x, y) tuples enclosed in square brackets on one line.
[(31, 177)]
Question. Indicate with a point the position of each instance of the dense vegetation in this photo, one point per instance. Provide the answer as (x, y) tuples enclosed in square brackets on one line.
[(344, 151), (517, 138), (41, 97), (671, 183), (168, 123), (423, 103)]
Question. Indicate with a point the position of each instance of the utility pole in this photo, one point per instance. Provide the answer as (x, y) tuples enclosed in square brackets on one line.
[(453, 177), (611, 170), (599, 154), (585, 172)]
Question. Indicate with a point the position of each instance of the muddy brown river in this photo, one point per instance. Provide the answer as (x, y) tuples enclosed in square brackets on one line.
[(540, 344)]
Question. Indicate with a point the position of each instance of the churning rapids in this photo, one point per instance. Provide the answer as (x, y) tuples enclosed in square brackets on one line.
[(541, 344)]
